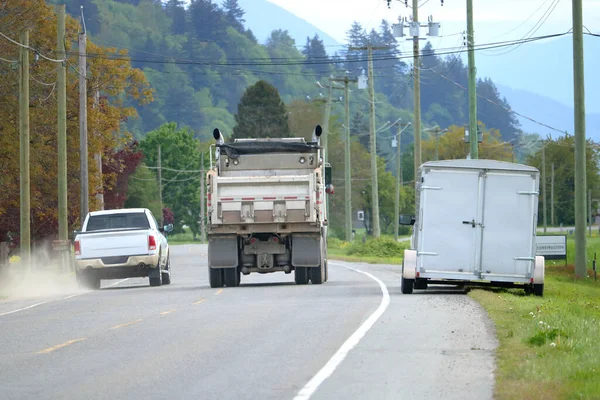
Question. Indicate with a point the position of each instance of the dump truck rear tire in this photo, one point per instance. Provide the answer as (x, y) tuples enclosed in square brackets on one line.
[(301, 275), (232, 277), (215, 276)]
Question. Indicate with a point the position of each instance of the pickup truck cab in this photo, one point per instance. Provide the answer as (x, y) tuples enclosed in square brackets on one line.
[(118, 244)]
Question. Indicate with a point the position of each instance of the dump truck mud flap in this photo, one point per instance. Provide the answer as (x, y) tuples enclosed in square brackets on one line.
[(306, 251), (223, 252)]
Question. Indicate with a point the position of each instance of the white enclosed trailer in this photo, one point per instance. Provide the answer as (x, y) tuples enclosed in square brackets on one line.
[(475, 224)]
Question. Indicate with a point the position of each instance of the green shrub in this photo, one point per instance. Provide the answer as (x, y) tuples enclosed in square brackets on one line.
[(380, 247)]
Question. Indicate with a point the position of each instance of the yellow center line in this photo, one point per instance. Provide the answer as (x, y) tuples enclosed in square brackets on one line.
[(219, 292), (199, 301), (127, 324), (168, 312), (60, 346)]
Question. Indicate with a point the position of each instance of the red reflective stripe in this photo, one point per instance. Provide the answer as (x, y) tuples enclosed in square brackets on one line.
[(291, 197), (247, 198), (269, 198), (226, 198)]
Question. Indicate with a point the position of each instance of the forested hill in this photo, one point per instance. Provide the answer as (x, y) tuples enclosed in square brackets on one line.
[(200, 59)]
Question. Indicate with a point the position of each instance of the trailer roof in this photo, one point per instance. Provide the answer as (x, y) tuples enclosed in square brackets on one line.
[(480, 164)]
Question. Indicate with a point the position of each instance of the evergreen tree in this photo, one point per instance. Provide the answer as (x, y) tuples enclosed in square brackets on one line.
[(234, 14), (261, 113), (316, 55), (177, 13)]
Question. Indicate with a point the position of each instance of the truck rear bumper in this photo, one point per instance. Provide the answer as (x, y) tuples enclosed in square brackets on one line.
[(141, 262)]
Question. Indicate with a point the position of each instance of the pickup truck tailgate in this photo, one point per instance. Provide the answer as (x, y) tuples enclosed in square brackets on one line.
[(114, 243)]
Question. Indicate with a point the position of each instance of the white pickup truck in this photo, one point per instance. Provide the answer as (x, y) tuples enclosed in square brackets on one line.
[(124, 243)]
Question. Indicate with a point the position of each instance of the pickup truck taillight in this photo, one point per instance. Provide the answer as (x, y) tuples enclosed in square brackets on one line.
[(151, 243), (77, 246)]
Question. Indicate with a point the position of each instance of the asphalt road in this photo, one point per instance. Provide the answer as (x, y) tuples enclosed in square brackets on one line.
[(355, 336)]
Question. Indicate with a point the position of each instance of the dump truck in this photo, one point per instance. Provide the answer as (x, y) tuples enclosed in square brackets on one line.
[(266, 209), (475, 224)]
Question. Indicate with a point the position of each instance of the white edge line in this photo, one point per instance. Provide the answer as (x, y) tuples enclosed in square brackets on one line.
[(52, 301), (116, 283), (25, 308), (309, 389)]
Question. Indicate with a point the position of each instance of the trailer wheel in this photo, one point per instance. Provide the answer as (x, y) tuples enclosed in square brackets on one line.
[(215, 276), (409, 270), (232, 277), (301, 275), (538, 289), (407, 285)]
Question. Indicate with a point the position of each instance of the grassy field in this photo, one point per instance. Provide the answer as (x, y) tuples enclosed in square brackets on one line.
[(548, 346), (183, 238)]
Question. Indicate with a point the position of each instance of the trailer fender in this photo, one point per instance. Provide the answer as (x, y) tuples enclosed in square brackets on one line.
[(409, 264), (539, 270)]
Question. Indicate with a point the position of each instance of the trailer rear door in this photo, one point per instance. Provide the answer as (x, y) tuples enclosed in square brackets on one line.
[(448, 222)]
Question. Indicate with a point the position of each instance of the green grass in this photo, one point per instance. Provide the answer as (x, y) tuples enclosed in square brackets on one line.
[(548, 345), (384, 250), (186, 237)]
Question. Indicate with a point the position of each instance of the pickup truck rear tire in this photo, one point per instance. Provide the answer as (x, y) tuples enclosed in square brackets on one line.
[(301, 275), (215, 276), (166, 275), (89, 280), (538, 289), (156, 281), (232, 277)]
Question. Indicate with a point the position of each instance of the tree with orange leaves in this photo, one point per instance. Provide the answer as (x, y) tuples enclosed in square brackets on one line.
[(110, 81)]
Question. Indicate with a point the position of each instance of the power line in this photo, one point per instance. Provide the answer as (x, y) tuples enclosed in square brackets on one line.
[(30, 48), (501, 106), (295, 61), (9, 61)]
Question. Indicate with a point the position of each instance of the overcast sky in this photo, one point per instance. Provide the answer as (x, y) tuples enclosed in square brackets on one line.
[(495, 20)]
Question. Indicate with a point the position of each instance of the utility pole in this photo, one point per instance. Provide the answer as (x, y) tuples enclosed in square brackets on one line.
[(160, 196), (326, 123), (552, 197), (202, 194), (348, 169), (62, 128), (589, 213), (98, 158), (348, 174), (472, 84), (414, 27), (399, 183), (416, 93), (544, 198), (580, 163), (83, 135), (25, 201), (374, 185), (373, 139)]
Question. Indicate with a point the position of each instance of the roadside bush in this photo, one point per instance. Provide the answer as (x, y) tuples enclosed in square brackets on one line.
[(380, 247)]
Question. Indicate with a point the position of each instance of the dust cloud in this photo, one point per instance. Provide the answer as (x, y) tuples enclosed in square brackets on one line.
[(42, 278)]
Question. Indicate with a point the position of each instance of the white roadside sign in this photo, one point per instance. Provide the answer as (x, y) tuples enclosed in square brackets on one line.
[(551, 246)]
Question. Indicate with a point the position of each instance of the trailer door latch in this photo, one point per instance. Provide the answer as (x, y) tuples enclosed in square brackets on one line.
[(472, 223)]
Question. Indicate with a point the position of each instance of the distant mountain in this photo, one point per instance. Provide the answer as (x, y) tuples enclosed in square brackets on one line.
[(548, 111), (545, 68), (263, 17)]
